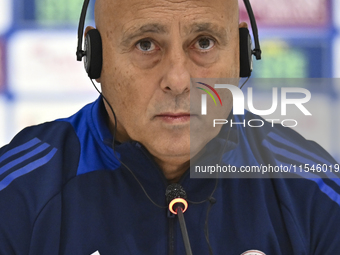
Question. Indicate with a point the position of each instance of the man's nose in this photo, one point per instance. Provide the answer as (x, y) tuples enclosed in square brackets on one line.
[(176, 79)]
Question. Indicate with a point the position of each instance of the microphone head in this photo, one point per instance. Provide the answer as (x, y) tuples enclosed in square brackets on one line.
[(173, 191), (176, 197)]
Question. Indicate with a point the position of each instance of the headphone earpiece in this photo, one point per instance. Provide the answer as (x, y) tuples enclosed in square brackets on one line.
[(93, 54), (246, 55)]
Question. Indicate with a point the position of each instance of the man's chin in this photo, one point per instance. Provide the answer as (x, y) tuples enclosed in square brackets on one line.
[(172, 150)]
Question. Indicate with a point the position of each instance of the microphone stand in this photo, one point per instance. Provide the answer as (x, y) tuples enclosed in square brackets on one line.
[(176, 198), (184, 231)]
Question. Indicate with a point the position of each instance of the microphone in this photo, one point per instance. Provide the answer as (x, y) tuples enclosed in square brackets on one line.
[(176, 198)]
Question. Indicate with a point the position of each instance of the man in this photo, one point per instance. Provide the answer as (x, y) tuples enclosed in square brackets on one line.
[(63, 190)]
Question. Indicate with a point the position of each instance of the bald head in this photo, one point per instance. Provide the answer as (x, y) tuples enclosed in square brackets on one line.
[(108, 12)]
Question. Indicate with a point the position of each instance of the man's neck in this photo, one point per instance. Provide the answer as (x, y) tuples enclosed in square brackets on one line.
[(172, 171)]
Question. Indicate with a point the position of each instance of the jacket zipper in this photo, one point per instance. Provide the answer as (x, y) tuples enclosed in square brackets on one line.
[(171, 216), (171, 237)]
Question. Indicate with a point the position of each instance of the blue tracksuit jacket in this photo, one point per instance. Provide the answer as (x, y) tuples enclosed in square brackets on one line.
[(62, 191)]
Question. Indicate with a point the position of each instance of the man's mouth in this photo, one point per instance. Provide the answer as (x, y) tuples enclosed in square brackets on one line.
[(175, 118)]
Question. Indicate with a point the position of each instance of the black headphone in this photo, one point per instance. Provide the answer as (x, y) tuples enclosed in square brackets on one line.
[(93, 54)]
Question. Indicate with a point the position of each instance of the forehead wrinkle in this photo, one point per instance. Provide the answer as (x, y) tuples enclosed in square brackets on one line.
[(133, 32)]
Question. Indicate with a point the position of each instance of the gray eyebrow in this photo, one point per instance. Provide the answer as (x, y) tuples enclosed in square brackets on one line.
[(157, 28), (128, 36)]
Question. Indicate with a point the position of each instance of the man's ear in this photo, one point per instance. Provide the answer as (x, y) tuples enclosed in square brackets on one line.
[(243, 24), (87, 29)]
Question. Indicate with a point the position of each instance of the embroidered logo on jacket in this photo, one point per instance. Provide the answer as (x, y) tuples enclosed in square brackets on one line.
[(253, 252)]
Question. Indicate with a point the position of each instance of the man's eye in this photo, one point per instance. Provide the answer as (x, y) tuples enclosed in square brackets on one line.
[(145, 45), (204, 43)]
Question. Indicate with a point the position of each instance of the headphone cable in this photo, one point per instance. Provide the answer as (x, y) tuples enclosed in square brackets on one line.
[(211, 199), (114, 151)]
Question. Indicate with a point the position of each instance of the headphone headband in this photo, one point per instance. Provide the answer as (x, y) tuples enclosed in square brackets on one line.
[(257, 50), (80, 53)]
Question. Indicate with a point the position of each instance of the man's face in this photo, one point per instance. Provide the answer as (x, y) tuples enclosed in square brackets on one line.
[(151, 49)]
